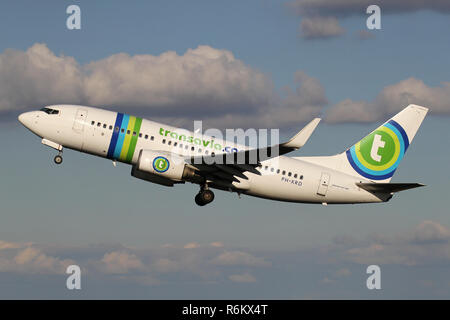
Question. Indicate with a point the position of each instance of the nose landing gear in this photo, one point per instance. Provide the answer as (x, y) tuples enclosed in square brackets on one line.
[(204, 197), (58, 159)]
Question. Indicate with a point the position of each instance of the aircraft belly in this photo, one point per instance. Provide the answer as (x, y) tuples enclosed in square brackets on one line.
[(340, 189)]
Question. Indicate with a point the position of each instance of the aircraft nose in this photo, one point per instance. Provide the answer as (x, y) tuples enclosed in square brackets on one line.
[(26, 118), (21, 118)]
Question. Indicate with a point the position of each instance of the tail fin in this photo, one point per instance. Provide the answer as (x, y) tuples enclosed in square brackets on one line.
[(377, 156)]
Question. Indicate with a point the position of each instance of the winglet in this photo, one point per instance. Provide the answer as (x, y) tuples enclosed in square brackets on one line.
[(300, 139)]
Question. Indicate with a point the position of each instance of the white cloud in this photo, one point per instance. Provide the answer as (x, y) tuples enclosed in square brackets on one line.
[(27, 258), (427, 244), (217, 244), (431, 232), (327, 280), (320, 17), (10, 245), (121, 262), (242, 278), (358, 7), (392, 99), (191, 245), (166, 265), (344, 272), (239, 258), (202, 83), (320, 27), (37, 76), (354, 111)]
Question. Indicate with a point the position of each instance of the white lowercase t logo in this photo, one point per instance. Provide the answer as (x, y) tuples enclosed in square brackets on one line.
[(377, 144)]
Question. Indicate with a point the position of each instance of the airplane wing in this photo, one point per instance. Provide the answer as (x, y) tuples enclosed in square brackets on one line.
[(228, 167), (253, 157)]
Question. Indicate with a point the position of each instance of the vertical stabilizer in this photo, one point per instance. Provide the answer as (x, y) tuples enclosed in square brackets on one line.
[(377, 156)]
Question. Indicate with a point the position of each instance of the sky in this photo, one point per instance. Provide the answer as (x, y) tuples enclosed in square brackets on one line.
[(231, 64)]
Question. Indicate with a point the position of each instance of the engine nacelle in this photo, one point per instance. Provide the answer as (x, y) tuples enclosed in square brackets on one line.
[(162, 167)]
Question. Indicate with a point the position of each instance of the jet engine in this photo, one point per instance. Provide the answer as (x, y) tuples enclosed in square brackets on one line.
[(162, 167)]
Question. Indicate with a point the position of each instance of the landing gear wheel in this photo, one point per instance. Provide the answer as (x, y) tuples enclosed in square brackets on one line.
[(58, 159), (207, 196), (204, 197), (199, 201)]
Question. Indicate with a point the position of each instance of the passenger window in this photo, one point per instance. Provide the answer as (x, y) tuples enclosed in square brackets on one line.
[(152, 138), (98, 124), (181, 145), (192, 148), (164, 141), (186, 147), (289, 174), (110, 127), (140, 135), (206, 152), (169, 142), (278, 171), (295, 176), (104, 126), (123, 130), (92, 123), (146, 136), (271, 169), (134, 133), (199, 150), (266, 167), (301, 177), (175, 144), (117, 129), (283, 173), (128, 131)]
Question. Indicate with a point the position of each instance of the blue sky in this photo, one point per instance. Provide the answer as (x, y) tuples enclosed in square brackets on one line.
[(138, 240)]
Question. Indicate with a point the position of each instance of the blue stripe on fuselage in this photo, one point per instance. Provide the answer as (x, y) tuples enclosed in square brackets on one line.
[(115, 135), (121, 137)]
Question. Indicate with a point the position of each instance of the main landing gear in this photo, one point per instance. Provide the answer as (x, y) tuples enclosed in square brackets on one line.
[(205, 196)]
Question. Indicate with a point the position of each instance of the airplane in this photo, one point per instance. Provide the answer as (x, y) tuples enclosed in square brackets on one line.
[(167, 155)]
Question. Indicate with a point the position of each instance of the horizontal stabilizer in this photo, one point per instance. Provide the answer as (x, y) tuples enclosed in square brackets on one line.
[(388, 187)]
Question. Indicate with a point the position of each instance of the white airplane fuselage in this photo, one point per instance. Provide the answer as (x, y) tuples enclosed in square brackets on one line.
[(93, 131)]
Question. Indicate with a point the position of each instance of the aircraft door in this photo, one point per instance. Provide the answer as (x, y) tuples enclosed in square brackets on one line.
[(80, 119), (323, 184)]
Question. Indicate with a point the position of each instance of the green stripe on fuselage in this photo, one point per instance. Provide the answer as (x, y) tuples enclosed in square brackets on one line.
[(134, 139), (127, 140)]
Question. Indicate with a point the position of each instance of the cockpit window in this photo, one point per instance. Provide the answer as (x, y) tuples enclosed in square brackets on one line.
[(50, 111)]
